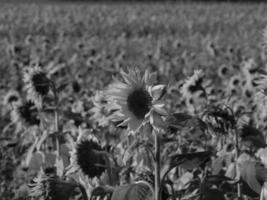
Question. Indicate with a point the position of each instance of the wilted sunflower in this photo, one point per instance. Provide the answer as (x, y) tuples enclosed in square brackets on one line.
[(138, 100), (26, 114), (37, 84), (88, 157), (45, 187)]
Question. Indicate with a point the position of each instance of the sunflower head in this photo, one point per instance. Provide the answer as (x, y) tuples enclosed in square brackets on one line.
[(223, 71), (235, 81), (26, 114), (193, 84), (136, 98), (12, 97), (264, 40), (46, 187), (100, 110), (37, 84), (89, 159)]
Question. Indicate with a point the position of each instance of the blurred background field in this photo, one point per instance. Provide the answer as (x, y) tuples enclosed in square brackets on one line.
[(84, 44)]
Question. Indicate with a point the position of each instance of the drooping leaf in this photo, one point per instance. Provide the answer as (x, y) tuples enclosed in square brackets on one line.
[(249, 174), (179, 121), (190, 160)]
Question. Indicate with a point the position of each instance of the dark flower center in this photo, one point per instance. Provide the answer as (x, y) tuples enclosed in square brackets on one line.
[(29, 113), (89, 162), (41, 83), (197, 86), (12, 99), (139, 103)]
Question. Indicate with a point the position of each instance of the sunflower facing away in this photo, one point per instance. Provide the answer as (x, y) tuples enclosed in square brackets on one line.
[(37, 84), (138, 100)]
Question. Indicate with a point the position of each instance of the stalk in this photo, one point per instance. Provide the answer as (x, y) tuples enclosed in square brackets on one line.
[(56, 117), (239, 189), (157, 166)]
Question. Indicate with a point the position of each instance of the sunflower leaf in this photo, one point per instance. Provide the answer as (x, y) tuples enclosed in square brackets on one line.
[(138, 191), (190, 160), (249, 173), (181, 121)]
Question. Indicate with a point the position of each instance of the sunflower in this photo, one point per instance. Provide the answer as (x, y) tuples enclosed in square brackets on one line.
[(25, 113), (264, 40), (261, 83), (194, 85), (11, 98), (138, 100), (37, 84), (100, 110), (46, 187), (88, 156)]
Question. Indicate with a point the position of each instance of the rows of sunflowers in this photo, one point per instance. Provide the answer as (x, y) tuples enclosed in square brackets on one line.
[(133, 102)]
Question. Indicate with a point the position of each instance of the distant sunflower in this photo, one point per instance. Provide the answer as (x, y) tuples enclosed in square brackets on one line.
[(264, 39), (37, 84), (223, 71), (138, 100), (100, 110), (12, 97), (262, 84), (193, 85), (25, 113), (88, 157), (46, 187)]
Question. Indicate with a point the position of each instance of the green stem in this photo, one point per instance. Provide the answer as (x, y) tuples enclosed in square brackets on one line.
[(239, 189), (56, 118), (157, 166)]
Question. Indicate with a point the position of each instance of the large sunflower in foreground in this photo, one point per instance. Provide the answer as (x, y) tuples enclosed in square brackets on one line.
[(137, 99)]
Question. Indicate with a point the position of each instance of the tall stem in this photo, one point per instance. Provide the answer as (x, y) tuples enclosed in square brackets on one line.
[(157, 166), (56, 117), (239, 189)]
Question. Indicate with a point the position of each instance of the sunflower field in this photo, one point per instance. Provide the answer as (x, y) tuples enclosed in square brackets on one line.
[(133, 101)]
